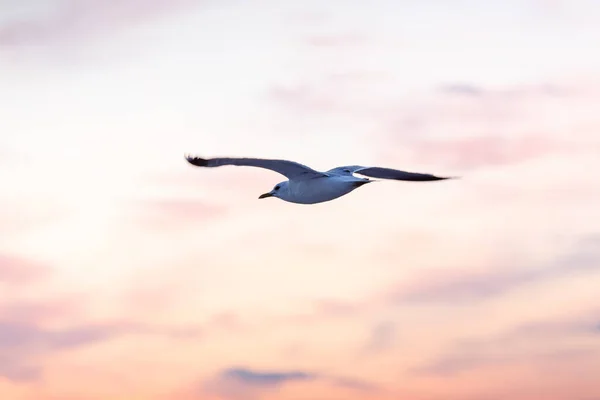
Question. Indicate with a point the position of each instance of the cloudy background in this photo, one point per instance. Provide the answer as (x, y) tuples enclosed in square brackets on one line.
[(127, 273)]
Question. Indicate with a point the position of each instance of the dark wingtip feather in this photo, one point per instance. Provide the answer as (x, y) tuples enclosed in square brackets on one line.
[(429, 178), (443, 178), (197, 161), (439, 178)]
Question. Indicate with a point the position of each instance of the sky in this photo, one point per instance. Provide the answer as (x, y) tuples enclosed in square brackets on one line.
[(126, 273)]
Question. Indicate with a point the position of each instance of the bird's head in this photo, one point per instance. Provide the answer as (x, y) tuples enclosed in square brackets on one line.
[(279, 190)]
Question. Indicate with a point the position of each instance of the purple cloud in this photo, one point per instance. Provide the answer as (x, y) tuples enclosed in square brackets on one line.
[(23, 342), (19, 373), (265, 378), (238, 383)]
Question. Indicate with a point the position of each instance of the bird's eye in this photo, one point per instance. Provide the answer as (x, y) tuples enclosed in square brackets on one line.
[(277, 187)]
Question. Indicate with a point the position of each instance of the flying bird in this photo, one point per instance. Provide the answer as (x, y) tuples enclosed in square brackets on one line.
[(308, 186)]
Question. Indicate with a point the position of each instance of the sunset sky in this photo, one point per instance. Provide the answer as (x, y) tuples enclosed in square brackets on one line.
[(126, 273)]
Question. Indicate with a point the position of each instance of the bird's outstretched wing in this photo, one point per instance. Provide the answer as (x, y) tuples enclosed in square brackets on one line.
[(385, 173), (289, 169)]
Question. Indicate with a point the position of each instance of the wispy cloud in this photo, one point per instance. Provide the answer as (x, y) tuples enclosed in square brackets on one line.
[(350, 39), (517, 92), (356, 384), (244, 383), (238, 383), (464, 126), (382, 337), (460, 286), (19, 271), (522, 344), (177, 213), (51, 310), (19, 373), (486, 151), (72, 20), (304, 98), (270, 378), (465, 361), (331, 309), (24, 341), (471, 127), (462, 89), (21, 343)]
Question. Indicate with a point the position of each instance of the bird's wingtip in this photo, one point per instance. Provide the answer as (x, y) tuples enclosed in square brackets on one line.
[(197, 161), (444, 178)]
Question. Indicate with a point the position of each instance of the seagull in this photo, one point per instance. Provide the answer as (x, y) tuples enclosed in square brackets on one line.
[(308, 186)]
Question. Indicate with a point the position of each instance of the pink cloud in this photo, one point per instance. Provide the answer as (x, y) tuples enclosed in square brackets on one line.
[(488, 150), (19, 271), (333, 93), (498, 276), (304, 98), (144, 298), (469, 127), (336, 307), (42, 312), (228, 321), (177, 213), (479, 352), (24, 343), (330, 310), (460, 125), (349, 39), (75, 19), (18, 217)]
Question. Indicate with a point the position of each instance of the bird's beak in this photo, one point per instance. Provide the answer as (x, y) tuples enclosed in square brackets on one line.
[(265, 195)]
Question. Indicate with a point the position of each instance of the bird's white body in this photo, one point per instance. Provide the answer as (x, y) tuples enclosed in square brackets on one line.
[(308, 186), (318, 190)]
